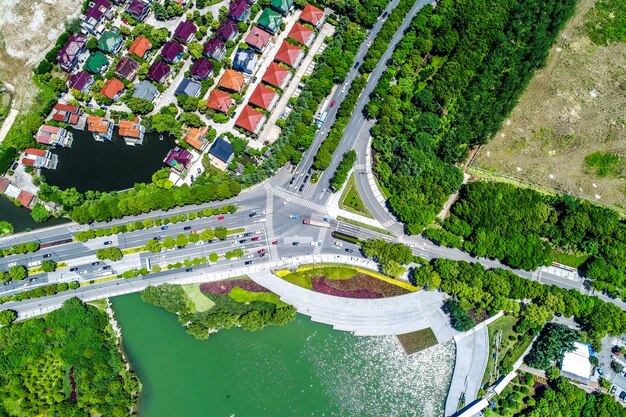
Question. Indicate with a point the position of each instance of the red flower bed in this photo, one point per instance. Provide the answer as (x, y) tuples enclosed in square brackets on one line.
[(360, 284), (321, 285), (224, 287)]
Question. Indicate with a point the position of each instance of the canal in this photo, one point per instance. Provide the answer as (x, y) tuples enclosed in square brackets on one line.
[(301, 369), (20, 217), (108, 166)]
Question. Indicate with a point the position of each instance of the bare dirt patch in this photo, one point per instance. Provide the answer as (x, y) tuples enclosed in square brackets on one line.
[(28, 29), (573, 107)]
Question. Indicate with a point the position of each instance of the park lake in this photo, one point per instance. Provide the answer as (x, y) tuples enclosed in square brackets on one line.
[(300, 369)]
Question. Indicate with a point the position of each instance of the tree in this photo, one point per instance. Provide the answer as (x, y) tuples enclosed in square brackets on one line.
[(207, 234), (554, 340), (18, 272), (92, 43), (169, 242), (239, 145), (221, 232), (7, 317), (191, 120), (39, 213), (182, 240), (153, 246), (48, 266), (139, 105), (459, 318), (213, 257), (195, 49), (6, 228), (194, 238)]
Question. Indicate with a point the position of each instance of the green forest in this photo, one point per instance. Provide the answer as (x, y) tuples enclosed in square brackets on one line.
[(453, 78), (64, 364)]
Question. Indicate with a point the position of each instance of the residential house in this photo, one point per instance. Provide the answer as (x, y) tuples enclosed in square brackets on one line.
[(188, 87), (276, 75), (112, 88), (245, 61), (110, 42), (138, 9), (127, 68), (258, 39), (25, 198), (184, 31), (232, 81), (270, 20), (178, 159), (146, 90), (302, 34), (201, 69), (140, 46), (228, 30), (132, 131), (221, 153), (250, 120), (220, 101), (158, 71), (101, 128), (289, 54), (97, 63), (171, 52), (4, 184), (39, 158), (282, 6), (313, 15), (215, 48), (80, 81), (66, 113), (263, 97), (54, 136), (195, 137), (73, 48), (239, 10), (97, 13)]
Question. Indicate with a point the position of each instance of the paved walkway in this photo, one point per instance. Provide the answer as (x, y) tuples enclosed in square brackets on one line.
[(8, 122)]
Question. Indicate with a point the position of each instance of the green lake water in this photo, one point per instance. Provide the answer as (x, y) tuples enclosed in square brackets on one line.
[(301, 369)]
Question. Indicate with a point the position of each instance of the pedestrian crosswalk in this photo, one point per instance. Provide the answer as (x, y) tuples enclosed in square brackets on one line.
[(269, 207), (296, 199), (388, 223), (320, 238)]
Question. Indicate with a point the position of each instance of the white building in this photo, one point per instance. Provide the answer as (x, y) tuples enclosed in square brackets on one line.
[(576, 364)]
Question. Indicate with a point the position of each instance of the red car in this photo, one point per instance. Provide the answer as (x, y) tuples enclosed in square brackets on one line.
[(260, 251), (220, 217), (332, 103), (275, 242), (254, 239)]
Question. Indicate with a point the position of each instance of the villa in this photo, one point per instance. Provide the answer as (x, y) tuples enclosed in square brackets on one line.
[(302, 34), (80, 81), (97, 63), (68, 55), (127, 68), (54, 136), (276, 75), (101, 128), (140, 46), (178, 159), (110, 42), (282, 6), (97, 13), (39, 158), (239, 10), (195, 137), (66, 113), (313, 15), (132, 131), (258, 39), (25, 198), (145, 90), (221, 153), (264, 97), (289, 54), (215, 48), (245, 61), (232, 81), (188, 87), (250, 120), (201, 69), (158, 71), (270, 20), (184, 32), (112, 89), (220, 101), (228, 30), (138, 9), (171, 52)]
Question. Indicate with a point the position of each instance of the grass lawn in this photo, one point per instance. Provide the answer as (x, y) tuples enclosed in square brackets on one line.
[(302, 276), (351, 200), (417, 341), (504, 324), (199, 300), (569, 259), (242, 296)]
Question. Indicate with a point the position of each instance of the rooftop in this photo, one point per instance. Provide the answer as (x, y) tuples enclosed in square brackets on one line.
[(220, 101), (79, 80), (127, 67), (270, 19), (213, 45), (258, 38), (245, 60), (145, 90), (249, 119), (201, 68), (158, 71), (130, 128), (195, 137), (171, 50), (222, 150), (96, 62), (276, 75), (109, 41), (112, 88), (262, 96), (68, 54), (232, 80), (312, 15), (288, 54), (97, 124), (184, 31), (189, 87), (227, 29), (301, 33), (140, 46)]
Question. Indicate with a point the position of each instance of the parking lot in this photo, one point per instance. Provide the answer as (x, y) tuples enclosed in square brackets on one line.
[(605, 358)]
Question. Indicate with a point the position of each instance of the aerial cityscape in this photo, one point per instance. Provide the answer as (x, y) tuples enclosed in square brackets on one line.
[(350, 208)]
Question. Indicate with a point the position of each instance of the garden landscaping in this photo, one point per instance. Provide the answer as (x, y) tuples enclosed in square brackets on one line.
[(417, 341)]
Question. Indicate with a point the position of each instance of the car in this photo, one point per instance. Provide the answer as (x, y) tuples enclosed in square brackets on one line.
[(199, 171), (156, 238), (306, 178), (233, 115), (301, 188), (47, 255), (106, 267), (253, 79), (188, 269), (332, 103), (262, 254), (293, 216), (187, 228), (296, 243), (108, 242), (600, 372), (95, 263), (249, 262), (220, 217), (254, 239), (250, 256), (310, 170), (622, 395), (74, 269), (32, 279), (292, 180), (356, 65), (349, 250), (260, 251), (613, 389), (275, 242), (192, 178), (252, 214), (164, 227), (14, 166), (338, 243), (243, 241)]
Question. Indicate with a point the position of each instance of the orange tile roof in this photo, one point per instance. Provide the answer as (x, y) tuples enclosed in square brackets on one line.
[(232, 80), (128, 129), (140, 45), (288, 53), (25, 198), (262, 96), (311, 14), (29, 162), (34, 151), (65, 107), (193, 137), (300, 33), (249, 119), (275, 75), (220, 101), (94, 124), (111, 88)]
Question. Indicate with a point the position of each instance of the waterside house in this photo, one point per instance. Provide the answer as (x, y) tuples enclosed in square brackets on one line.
[(101, 128), (68, 56), (25, 198), (39, 158), (54, 136), (178, 160), (132, 131), (66, 113), (195, 137)]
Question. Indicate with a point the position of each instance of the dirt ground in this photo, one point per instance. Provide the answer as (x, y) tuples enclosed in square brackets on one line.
[(573, 107), (28, 29)]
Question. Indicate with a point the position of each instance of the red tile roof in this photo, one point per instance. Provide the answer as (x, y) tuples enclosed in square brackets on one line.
[(34, 151), (194, 135), (140, 45), (300, 33), (4, 184), (129, 128), (111, 88), (94, 124), (311, 14), (232, 80), (262, 96), (25, 198), (258, 38), (249, 119), (275, 75), (288, 54), (220, 101)]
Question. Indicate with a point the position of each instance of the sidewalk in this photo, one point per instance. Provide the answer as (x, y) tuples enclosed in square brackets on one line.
[(8, 122)]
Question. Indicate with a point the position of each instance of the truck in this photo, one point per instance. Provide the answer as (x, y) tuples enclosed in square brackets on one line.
[(317, 220)]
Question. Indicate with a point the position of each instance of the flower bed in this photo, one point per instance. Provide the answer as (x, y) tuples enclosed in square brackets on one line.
[(224, 287), (321, 285), (357, 283)]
